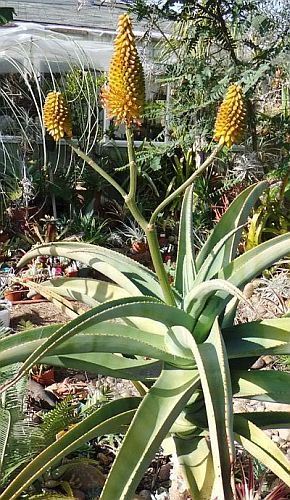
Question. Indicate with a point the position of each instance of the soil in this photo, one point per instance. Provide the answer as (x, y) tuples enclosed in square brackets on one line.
[(40, 313)]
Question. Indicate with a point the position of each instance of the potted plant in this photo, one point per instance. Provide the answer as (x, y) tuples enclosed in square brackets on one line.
[(135, 237), (15, 292)]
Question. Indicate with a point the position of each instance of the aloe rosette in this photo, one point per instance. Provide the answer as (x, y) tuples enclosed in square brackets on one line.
[(179, 342), (191, 358)]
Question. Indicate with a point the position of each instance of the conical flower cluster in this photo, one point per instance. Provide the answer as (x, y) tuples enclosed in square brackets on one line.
[(56, 116), (230, 121), (125, 93)]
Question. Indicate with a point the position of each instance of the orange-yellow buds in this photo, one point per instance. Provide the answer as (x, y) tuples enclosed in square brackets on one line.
[(230, 120), (124, 95), (56, 116)]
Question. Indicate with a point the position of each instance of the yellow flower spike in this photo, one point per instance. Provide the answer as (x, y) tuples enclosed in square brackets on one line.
[(231, 116), (124, 95), (56, 116)]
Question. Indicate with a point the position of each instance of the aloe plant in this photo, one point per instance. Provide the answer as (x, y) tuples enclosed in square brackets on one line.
[(196, 356), (179, 341)]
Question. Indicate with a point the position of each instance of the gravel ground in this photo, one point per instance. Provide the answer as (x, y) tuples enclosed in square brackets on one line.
[(40, 313)]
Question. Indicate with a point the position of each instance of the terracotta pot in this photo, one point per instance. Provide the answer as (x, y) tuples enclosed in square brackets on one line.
[(14, 295), (139, 247), (45, 378)]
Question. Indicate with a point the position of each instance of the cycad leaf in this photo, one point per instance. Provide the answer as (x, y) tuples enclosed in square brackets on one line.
[(185, 265), (5, 427), (19, 438)]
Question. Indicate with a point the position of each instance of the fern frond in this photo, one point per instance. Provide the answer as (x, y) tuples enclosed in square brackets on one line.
[(25, 441), (97, 398)]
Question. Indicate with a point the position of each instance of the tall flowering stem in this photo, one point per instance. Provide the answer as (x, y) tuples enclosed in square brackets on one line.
[(229, 129), (124, 99), (151, 233), (132, 164)]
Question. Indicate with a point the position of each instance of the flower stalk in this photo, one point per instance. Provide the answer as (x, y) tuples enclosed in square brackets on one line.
[(97, 168), (130, 200), (153, 244), (150, 231), (132, 165)]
